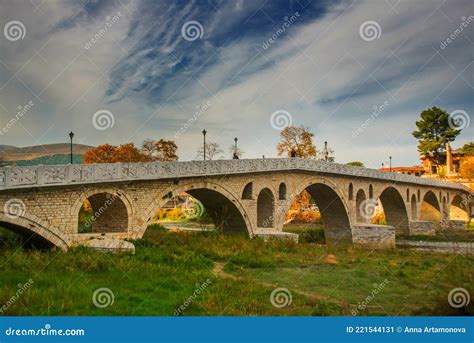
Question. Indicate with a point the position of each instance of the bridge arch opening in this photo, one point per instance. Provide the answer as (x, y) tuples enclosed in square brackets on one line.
[(414, 210), (247, 193), (360, 200), (202, 205), (265, 208), (351, 191), (319, 215), (458, 209), (282, 191), (32, 233), (430, 209), (103, 213), (394, 210)]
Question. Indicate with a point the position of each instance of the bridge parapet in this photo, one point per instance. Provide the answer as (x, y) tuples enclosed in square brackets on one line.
[(56, 175)]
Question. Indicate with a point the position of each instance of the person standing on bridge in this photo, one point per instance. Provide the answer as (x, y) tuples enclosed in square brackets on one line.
[(235, 156), (293, 153)]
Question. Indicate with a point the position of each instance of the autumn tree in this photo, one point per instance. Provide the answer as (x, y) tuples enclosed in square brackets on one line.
[(160, 150), (108, 153), (128, 152), (102, 154), (297, 138), (212, 150), (434, 132)]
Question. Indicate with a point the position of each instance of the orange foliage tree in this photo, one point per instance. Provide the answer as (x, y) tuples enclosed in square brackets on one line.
[(299, 139), (161, 150), (108, 153)]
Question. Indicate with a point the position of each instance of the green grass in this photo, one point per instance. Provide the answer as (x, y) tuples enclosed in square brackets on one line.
[(168, 266)]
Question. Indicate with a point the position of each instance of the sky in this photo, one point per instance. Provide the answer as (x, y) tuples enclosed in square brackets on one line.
[(358, 73)]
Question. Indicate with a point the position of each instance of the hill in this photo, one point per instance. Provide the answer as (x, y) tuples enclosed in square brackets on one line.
[(37, 151), (6, 147)]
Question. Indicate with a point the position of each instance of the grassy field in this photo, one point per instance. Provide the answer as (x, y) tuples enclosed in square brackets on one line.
[(169, 269)]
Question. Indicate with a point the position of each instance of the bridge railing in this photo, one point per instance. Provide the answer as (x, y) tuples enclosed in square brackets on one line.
[(51, 175)]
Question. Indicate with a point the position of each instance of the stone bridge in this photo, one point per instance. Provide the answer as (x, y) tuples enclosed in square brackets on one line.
[(250, 196)]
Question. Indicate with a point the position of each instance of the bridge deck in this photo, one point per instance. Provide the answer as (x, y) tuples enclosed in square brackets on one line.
[(78, 174)]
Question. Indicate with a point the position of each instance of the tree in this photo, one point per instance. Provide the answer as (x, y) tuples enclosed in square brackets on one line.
[(434, 132), (161, 150), (212, 150), (102, 154), (108, 153), (468, 149), (355, 164), (129, 153), (299, 139)]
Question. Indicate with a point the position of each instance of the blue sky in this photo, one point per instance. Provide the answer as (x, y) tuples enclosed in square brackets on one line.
[(318, 69)]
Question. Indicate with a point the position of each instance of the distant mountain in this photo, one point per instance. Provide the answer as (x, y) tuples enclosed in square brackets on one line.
[(6, 147), (33, 152)]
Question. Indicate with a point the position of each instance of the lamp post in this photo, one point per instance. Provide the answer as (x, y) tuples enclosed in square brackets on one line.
[(390, 161), (235, 145), (204, 146), (71, 135), (326, 153)]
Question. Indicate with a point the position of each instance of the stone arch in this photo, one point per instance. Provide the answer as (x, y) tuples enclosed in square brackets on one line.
[(371, 192), (458, 209), (282, 191), (395, 210), (112, 210), (265, 208), (224, 207), (360, 199), (351, 191), (332, 205), (34, 230), (430, 208), (247, 193), (408, 195), (414, 210)]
